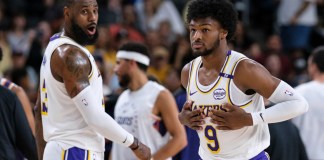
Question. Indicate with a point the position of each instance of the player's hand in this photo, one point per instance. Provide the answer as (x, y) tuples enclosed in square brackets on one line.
[(234, 118), (142, 152), (192, 119)]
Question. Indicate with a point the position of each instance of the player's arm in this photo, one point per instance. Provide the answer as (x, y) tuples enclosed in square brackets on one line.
[(40, 142), (72, 67), (250, 75), (166, 105), (25, 141), (192, 119), (21, 94)]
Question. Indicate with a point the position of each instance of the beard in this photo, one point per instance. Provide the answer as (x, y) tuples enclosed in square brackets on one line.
[(208, 51), (81, 37), (124, 81)]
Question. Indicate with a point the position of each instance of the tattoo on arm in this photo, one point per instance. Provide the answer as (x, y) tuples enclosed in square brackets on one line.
[(77, 70)]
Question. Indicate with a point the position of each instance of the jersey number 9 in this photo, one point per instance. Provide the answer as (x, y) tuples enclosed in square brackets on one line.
[(212, 143)]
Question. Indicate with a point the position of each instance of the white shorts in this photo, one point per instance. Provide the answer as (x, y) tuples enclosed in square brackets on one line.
[(53, 151)]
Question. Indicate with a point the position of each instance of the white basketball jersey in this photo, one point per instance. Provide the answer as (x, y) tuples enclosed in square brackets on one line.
[(62, 121), (133, 112), (241, 144), (311, 123)]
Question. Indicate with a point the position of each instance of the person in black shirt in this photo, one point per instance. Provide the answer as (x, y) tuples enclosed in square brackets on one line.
[(15, 133)]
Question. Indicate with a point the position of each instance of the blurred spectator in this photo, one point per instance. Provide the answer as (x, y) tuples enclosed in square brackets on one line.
[(18, 38), (15, 133), (299, 74), (54, 15), (35, 56), (129, 23), (296, 19), (152, 39), (311, 123), (276, 59), (159, 66), (20, 69), (272, 63), (242, 41), (181, 53), (255, 52), (6, 53), (152, 12)]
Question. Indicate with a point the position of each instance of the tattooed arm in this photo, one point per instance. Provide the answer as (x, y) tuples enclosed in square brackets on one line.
[(71, 66)]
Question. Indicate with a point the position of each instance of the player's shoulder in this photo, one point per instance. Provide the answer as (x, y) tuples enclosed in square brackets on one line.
[(308, 86), (6, 93)]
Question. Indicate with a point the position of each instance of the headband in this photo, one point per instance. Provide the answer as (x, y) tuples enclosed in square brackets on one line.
[(134, 56)]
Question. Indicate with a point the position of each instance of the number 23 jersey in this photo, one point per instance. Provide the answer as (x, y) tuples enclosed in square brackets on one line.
[(243, 143)]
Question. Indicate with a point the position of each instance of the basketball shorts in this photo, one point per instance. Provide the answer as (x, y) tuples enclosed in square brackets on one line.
[(53, 151), (261, 156)]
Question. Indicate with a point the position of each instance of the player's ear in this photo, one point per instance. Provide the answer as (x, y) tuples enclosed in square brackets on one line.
[(223, 34), (66, 11)]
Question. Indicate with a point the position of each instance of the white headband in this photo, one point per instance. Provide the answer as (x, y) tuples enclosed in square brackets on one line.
[(134, 56)]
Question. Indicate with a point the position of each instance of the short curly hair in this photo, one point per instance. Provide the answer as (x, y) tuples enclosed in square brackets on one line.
[(219, 10)]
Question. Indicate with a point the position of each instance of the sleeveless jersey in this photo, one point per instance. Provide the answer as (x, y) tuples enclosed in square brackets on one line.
[(62, 121), (133, 112), (243, 143)]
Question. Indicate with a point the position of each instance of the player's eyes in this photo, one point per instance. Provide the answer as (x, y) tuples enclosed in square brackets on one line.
[(205, 30), (84, 11)]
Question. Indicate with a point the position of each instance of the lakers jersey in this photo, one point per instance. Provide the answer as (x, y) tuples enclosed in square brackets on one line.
[(62, 121), (133, 112), (240, 144)]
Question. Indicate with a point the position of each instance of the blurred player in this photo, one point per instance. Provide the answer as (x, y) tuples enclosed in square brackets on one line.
[(310, 125), (143, 107)]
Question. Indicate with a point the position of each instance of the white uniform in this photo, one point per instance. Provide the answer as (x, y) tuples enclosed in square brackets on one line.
[(311, 123), (244, 143), (133, 112), (62, 121)]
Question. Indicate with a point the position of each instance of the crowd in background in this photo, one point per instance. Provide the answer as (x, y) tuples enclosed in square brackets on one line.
[(27, 25)]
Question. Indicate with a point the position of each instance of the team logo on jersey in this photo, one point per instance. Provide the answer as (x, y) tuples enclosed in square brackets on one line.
[(219, 94), (289, 93)]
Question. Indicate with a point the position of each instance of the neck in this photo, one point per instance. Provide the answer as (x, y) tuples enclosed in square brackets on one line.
[(68, 33), (216, 59), (139, 79), (319, 77)]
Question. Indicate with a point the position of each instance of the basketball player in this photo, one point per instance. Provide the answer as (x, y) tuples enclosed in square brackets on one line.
[(71, 98), (143, 106), (225, 89), (310, 124), (22, 96)]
